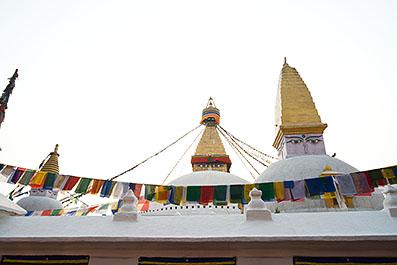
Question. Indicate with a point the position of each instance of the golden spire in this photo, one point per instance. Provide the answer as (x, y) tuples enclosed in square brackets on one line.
[(296, 112), (51, 165), (210, 152)]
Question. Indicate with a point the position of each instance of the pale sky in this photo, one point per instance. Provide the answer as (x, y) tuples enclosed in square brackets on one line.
[(113, 82)]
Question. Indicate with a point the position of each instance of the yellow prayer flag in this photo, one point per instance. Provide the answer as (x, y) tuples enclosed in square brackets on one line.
[(161, 194), (388, 173), (38, 179), (279, 190), (247, 189), (329, 195)]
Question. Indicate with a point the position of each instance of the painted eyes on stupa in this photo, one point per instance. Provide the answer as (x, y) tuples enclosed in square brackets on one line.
[(313, 141), (295, 141)]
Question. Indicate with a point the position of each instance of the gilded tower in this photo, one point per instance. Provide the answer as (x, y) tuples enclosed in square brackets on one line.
[(210, 153), (299, 129)]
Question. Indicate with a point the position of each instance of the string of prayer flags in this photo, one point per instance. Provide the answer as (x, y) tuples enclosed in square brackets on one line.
[(236, 193), (346, 185), (267, 191), (206, 195), (193, 193), (83, 185), (220, 195)]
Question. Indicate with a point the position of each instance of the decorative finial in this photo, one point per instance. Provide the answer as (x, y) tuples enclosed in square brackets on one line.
[(56, 148), (327, 168), (128, 210), (256, 208), (285, 61)]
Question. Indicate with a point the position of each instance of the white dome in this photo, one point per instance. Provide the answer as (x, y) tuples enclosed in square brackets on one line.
[(39, 203), (301, 167), (8, 207), (208, 177)]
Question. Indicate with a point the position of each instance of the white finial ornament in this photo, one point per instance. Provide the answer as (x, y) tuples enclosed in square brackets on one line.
[(256, 208), (390, 202), (128, 210)]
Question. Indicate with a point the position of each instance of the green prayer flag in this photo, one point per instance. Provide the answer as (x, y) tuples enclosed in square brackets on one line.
[(83, 185), (49, 180), (267, 191), (375, 174), (193, 193), (26, 177), (150, 192), (56, 212), (220, 195), (236, 193)]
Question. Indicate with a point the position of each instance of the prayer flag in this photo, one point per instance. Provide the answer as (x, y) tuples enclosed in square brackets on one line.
[(236, 193), (96, 186), (288, 184), (82, 187), (346, 185), (279, 190), (220, 193), (46, 213), (71, 182), (267, 191), (1, 166), (206, 194), (193, 194), (176, 195), (247, 189), (60, 182), (16, 175), (388, 173), (328, 184), (361, 184), (162, 194), (395, 170), (314, 186), (57, 212), (120, 188), (49, 181), (26, 177), (107, 188), (6, 172), (136, 188), (143, 205), (375, 174), (149, 192), (298, 191), (38, 179)]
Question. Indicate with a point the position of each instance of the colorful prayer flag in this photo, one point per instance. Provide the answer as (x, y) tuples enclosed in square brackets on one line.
[(236, 193), (162, 194), (193, 193), (49, 181), (298, 191), (38, 179), (220, 195), (96, 186), (279, 190), (328, 184), (150, 192), (176, 195), (16, 175), (70, 183), (82, 187), (26, 177), (314, 186), (206, 194), (60, 182), (107, 188), (388, 173), (361, 184), (267, 191), (346, 185)]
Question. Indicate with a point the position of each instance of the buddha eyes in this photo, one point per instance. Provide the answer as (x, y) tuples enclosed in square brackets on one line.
[(313, 141), (297, 141)]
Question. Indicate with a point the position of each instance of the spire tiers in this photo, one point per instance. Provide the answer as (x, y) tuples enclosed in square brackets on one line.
[(210, 153), (51, 165), (296, 112)]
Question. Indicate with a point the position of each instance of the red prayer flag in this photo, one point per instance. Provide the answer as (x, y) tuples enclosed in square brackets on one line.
[(71, 182), (206, 194), (137, 190), (46, 213)]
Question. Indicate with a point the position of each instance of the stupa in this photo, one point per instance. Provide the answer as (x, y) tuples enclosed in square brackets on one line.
[(44, 198)]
